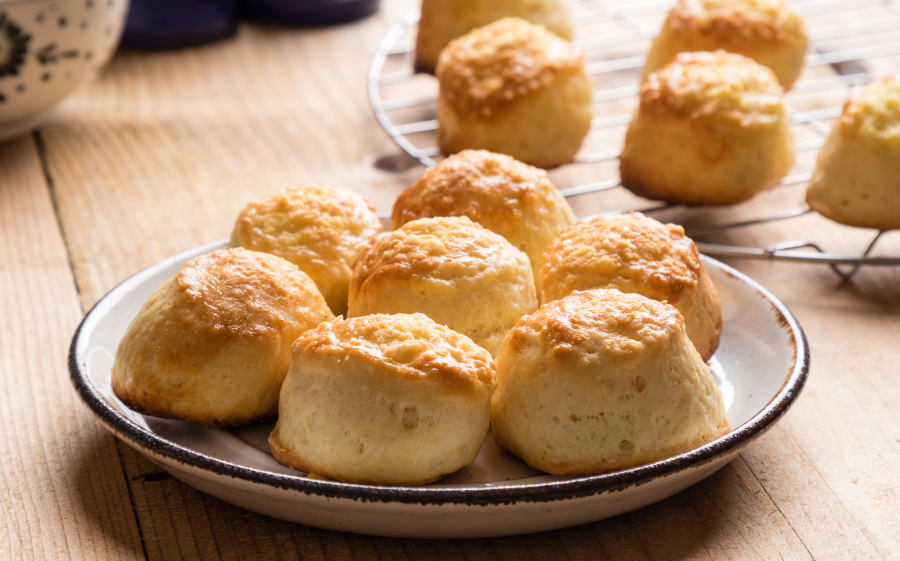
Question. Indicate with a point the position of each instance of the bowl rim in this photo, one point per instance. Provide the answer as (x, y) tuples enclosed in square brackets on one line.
[(578, 487)]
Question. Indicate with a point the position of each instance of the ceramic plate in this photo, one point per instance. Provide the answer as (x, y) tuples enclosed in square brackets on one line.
[(761, 366)]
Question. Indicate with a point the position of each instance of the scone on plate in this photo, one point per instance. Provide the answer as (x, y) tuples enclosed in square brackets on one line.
[(213, 344), (601, 381), (636, 254), (507, 197), (515, 88), (770, 32), (452, 270), (711, 128), (443, 20), (857, 175), (320, 229), (384, 400)]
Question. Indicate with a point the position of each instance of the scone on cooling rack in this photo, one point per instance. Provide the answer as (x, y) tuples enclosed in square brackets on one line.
[(601, 381), (710, 128), (770, 32), (515, 88), (510, 198), (451, 269), (213, 344), (444, 20), (384, 400), (637, 254), (857, 175), (320, 229)]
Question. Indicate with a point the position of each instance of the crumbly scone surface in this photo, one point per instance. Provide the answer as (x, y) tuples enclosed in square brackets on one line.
[(739, 20), (720, 85), (631, 252), (488, 67), (874, 113), (411, 346)]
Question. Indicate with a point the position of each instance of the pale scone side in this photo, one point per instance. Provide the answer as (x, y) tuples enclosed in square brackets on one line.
[(857, 176), (601, 381), (384, 400)]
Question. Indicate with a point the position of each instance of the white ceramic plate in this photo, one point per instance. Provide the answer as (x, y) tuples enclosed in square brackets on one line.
[(761, 366)]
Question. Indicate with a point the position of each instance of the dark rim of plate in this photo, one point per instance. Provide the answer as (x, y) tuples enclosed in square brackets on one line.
[(500, 494)]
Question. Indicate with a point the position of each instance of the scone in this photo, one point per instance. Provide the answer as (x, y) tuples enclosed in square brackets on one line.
[(452, 270), (636, 254), (711, 128), (770, 32), (384, 400), (514, 88), (857, 175), (443, 20), (508, 197), (602, 381), (320, 229), (213, 344)]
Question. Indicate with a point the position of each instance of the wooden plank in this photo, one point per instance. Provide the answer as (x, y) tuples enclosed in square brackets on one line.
[(62, 487)]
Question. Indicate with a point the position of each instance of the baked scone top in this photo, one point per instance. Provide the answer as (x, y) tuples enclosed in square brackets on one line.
[(411, 346), (309, 224), (874, 113), (738, 22), (717, 85), (495, 64), (439, 248), (598, 325), (631, 252), (475, 182), (237, 292)]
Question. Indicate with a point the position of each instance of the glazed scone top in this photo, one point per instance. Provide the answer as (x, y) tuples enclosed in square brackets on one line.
[(438, 248), (309, 224), (720, 85), (874, 113), (411, 346), (467, 184), (737, 21), (630, 252), (598, 326), (495, 64), (232, 298)]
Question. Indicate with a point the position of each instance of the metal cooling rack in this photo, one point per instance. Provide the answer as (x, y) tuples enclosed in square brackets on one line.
[(405, 102)]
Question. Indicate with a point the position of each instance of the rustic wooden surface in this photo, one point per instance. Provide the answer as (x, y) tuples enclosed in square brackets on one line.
[(160, 153)]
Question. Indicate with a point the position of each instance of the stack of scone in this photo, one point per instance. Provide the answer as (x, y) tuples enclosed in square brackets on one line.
[(402, 392)]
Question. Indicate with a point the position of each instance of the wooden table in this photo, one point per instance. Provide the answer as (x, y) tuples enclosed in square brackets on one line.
[(160, 153)]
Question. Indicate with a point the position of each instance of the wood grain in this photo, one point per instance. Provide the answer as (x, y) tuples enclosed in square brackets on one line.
[(158, 156), (62, 488)]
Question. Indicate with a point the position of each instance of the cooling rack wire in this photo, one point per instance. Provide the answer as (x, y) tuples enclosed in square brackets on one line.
[(852, 43)]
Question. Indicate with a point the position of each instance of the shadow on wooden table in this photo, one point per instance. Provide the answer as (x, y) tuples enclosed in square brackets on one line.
[(727, 512)]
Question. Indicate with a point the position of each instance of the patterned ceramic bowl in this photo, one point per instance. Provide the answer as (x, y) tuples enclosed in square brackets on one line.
[(47, 49)]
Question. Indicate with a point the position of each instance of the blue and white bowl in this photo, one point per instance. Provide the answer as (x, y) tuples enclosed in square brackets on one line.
[(47, 49)]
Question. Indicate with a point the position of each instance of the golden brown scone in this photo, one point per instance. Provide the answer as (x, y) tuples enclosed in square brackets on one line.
[(384, 400), (452, 270), (711, 128), (514, 88), (857, 175), (213, 344), (507, 197), (320, 229), (601, 381), (443, 20), (768, 31), (636, 254)]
